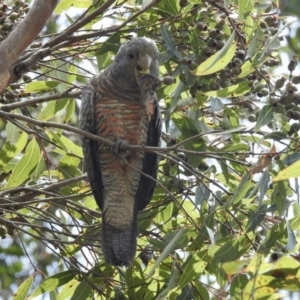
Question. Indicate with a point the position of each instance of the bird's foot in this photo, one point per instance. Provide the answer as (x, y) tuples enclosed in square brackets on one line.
[(148, 82), (120, 148)]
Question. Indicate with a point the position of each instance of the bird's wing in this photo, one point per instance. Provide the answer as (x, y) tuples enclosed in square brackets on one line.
[(90, 147), (150, 162)]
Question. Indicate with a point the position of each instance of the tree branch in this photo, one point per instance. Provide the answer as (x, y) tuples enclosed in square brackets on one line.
[(176, 148), (78, 24), (33, 192), (6, 115), (102, 32), (21, 37), (37, 100)]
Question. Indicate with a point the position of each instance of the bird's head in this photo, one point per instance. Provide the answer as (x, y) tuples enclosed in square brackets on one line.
[(139, 56)]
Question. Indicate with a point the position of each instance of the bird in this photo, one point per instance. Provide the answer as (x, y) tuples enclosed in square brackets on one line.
[(120, 105)]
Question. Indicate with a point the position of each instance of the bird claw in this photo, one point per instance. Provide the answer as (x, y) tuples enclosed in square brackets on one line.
[(148, 82), (120, 148)]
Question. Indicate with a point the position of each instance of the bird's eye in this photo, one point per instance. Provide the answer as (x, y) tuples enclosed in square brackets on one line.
[(130, 55)]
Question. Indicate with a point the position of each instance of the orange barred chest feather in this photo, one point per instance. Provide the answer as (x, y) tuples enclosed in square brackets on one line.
[(122, 120), (128, 121)]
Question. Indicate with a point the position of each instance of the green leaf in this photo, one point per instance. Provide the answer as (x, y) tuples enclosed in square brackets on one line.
[(276, 233), (289, 172), (169, 41), (256, 43), (66, 144), (263, 185), (135, 281), (68, 290), (72, 73), (84, 289), (232, 91), (245, 8), (238, 285), (52, 108), (246, 69), (190, 128), (69, 160), (232, 249), (53, 282), (240, 147), (22, 291), (273, 39), (168, 8), (12, 149), (219, 60), (162, 244), (172, 283), (194, 267), (216, 104), (225, 171), (168, 249), (249, 28), (292, 242), (276, 136), (25, 165), (292, 158), (13, 132), (70, 110), (241, 190), (265, 117), (40, 168), (39, 86), (104, 59), (235, 266), (279, 195), (200, 293), (195, 41), (255, 219), (283, 274), (65, 4), (227, 252), (257, 290), (233, 117), (112, 44), (202, 193)]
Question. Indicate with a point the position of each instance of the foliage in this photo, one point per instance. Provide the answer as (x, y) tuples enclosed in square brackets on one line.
[(221, 223)]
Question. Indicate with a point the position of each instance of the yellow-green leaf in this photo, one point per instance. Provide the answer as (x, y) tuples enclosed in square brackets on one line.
[(11, 150), (38, 86), (68, 290), (291, 171), (231, 91), (52, 108), (194, 267), (66, 145), (53, 282), (219, 60), (65, 4), (241, 190), (26, 164), (22, 291)]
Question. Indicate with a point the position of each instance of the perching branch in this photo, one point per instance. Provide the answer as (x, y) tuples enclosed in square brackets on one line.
[(176, 148)]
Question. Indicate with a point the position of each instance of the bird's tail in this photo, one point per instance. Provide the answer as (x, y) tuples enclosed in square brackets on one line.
[(119, 244)]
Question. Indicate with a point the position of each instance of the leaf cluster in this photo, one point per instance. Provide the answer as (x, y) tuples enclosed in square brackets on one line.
[(220, 222)]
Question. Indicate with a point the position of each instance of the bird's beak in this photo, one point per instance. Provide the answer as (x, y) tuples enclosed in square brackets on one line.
[(144, 63)]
